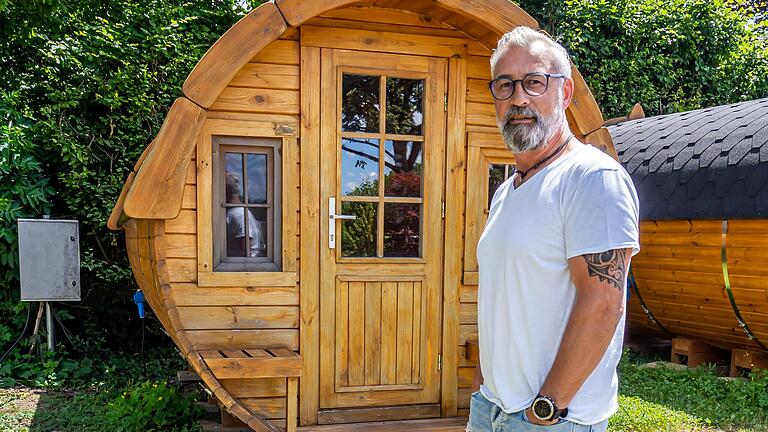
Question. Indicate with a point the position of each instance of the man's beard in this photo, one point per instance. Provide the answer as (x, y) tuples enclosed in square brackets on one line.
[(526, 137)]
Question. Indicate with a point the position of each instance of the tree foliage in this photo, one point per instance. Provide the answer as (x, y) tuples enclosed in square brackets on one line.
[(669, 55), (85, 86)]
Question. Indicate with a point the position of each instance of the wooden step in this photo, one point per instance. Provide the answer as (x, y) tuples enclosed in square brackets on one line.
[(258, 363), (253, 363), (448, 424)]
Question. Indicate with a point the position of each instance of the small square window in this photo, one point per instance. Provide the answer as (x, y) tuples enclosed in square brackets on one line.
[(246, 204)]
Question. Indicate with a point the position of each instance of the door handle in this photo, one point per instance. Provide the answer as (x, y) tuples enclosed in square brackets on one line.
[(332, 217)]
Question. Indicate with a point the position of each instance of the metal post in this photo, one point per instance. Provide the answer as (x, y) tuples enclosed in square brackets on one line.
[(49, 325)]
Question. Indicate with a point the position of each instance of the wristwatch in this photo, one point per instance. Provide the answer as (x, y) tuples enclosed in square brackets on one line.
[(545, 409)]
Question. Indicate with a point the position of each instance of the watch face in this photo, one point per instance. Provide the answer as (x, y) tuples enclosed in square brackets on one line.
[(543, 409)]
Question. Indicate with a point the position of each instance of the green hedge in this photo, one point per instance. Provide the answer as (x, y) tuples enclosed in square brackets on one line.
[(84, 87), (669, 55)]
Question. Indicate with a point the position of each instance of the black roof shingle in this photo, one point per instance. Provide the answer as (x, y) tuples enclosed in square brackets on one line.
[(710, 163)]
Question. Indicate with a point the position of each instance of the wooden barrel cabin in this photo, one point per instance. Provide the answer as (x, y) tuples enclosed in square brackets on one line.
[(304, 223), (702, 272)]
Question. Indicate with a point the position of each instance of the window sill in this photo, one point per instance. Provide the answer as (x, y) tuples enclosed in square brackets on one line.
[(246, 279), (247, 267)]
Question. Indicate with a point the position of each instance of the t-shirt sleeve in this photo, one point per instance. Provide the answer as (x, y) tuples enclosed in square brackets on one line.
[(601, 213)]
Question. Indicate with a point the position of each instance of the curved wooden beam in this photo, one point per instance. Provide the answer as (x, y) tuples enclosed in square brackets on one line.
[(158, 189), (602, 140), (499, 15), (231, 52), (117, 215), (583, 108), (297, 12)]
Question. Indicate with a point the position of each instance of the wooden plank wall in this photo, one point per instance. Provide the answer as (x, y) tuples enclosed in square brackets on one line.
[(680, 276), (480, 118), (238, 317)]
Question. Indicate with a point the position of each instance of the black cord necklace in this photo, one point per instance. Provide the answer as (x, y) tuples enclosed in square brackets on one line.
[(538, 164)]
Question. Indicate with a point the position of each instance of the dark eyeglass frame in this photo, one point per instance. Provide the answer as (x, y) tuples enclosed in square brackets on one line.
[(514, 82)]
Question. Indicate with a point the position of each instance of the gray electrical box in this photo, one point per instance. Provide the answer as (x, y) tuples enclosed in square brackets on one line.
[(49, 260)]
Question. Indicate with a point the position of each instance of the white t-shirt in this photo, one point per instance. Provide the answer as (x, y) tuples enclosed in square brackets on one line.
[(583, 202), (236, 229)]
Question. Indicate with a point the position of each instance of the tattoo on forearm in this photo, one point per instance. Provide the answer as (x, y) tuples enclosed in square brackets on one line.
[(608, 266)]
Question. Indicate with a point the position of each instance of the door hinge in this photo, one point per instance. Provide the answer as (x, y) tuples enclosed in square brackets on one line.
[(439, 362), (445, 99), (442, 212)]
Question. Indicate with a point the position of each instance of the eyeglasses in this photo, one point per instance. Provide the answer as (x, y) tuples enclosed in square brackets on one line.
[(534, 84)]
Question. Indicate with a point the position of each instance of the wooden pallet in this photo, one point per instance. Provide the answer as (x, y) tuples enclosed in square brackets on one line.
[(744, 360), (694, 353)]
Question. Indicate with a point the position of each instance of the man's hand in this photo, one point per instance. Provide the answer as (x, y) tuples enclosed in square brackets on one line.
[(535, 420)]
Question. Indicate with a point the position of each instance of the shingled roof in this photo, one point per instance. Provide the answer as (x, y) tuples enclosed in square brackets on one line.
[(706, 164)]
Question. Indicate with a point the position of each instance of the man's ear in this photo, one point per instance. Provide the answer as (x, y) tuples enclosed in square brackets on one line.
[(567, 92)]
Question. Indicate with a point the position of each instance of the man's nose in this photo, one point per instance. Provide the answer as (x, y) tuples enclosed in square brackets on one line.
[(519, 96)]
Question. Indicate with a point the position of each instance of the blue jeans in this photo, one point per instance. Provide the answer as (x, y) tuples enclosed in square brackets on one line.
[(485, 416)]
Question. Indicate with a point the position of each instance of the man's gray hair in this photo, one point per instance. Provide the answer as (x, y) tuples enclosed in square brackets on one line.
[(525, 36)]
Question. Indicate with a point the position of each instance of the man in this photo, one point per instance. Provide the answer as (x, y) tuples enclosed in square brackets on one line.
[(235, 222), (553, 257)]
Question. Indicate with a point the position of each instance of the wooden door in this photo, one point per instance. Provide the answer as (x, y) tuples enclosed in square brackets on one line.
[(381, 272)]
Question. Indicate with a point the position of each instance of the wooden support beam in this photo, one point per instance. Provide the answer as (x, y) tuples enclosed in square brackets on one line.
[(309, 265), (292, 409)]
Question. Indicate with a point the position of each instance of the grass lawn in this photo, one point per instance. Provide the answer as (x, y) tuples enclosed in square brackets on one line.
[(653, 399), (667, 398)]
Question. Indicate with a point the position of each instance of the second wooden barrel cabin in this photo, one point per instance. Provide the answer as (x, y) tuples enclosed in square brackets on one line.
[(702, 272), (304, 223)]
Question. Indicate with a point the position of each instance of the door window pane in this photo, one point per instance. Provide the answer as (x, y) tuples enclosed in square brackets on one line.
[(405, 102), (360, 103), (233, 164), (256, 168), (358, 237), (359, 167), (402, 229), (402, 168)]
